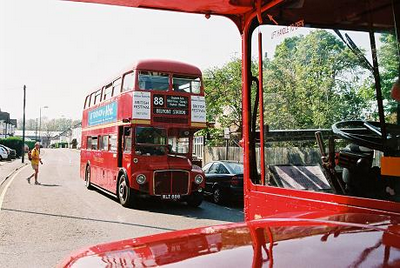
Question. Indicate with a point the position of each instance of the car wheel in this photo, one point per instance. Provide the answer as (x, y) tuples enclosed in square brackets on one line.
[(126, 196), (195, 199), (87, 178), (217, 195)]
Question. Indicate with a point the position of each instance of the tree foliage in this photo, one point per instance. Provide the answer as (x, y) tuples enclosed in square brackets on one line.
[(48, 125), (389, 68), (312, 82), (223, 89)]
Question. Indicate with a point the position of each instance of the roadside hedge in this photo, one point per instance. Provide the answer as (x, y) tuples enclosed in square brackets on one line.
[(61, 145), (16, 144)]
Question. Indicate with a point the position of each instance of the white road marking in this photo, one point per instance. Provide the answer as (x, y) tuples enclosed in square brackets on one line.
[(10, 180)]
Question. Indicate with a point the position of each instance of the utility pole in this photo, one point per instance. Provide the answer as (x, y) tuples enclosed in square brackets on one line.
[(23, 127)]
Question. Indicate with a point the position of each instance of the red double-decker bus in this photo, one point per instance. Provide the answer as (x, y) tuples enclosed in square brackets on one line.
[(137, 133)]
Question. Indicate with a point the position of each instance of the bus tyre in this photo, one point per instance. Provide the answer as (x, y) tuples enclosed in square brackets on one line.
[(125, 193), (195, 199), (87, 178)]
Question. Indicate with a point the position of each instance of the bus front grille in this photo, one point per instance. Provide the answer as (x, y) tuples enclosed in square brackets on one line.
[(171, 182)]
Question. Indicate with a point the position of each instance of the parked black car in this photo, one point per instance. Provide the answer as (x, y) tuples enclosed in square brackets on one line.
[(224, 181)]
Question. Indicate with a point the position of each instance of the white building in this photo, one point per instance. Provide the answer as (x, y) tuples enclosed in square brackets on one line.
[(7, 125)]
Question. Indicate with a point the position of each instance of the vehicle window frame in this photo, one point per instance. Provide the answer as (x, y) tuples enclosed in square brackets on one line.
[(87, 102), (126, 137), (89, 142), (222, 166), (111, 138), (124, 77), (102, 145), (95, 146), (150, 74), (214, 165), (190, 79), (206, 168), (118, 83), (98, 96), (107, 92)]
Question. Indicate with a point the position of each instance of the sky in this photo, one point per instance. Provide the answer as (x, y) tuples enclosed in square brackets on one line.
[(63, 50)]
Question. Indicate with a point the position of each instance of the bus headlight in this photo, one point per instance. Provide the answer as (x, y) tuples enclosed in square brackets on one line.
[(140, 179), (198, 179)]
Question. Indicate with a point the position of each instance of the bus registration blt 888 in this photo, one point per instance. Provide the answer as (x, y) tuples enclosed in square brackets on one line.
[(137, 133)]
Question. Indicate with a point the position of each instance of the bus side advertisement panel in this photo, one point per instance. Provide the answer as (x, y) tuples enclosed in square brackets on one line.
[(103, 114)]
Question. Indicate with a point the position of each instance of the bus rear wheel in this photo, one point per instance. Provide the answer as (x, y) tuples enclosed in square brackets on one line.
[(125, 193), (87, 178)]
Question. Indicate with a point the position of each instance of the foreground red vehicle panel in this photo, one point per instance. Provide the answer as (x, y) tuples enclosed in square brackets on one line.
[(343, 240)]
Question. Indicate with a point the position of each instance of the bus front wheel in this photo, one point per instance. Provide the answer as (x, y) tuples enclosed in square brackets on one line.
[(195, 199), (125, 193)]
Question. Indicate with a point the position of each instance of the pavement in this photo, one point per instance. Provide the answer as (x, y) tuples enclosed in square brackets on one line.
[(9, 167)]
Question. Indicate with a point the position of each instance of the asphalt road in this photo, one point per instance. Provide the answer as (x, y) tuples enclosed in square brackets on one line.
[(41, 224)]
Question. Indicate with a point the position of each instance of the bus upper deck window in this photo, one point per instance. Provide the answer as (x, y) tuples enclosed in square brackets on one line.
[(107, 92), (116, 87), (97, 97), (91, 100), (127, 83), (87, 102), (153, 81), (186, 84)]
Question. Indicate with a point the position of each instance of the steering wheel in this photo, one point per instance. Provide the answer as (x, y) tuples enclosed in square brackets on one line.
[(369, 134)]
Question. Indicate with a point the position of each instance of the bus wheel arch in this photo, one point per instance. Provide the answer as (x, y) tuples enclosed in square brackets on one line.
[(88, 174)]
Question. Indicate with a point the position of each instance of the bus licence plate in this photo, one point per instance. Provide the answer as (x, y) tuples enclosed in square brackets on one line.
[(171, 196)]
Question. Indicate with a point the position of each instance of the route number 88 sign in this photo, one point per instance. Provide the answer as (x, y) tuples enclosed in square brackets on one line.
[(158, 100)]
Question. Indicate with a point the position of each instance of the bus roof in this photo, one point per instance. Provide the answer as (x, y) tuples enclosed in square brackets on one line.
[(166, 66), (337, 14)]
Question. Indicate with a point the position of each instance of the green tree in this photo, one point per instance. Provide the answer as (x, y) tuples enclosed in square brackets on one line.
[(312, 82), (389, 69), (223, 90)]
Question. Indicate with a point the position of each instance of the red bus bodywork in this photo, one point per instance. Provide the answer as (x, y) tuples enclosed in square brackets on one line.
[(168, 175)]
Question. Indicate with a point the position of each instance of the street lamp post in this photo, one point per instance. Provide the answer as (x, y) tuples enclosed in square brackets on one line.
[(40, 121)]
